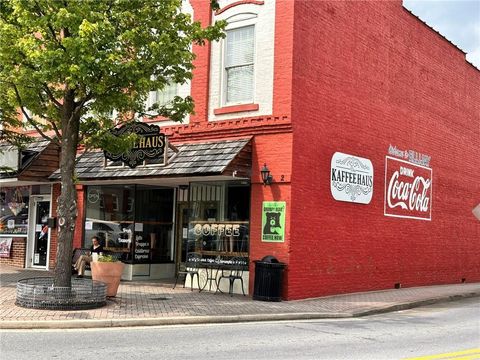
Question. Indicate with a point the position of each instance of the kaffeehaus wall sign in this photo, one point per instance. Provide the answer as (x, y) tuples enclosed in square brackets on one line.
[(408, 185), (351, 178), (151, 144)]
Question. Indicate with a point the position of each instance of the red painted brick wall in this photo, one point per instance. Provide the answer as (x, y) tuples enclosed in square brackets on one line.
[(199, 89), (17, 253), (283, 60), (275, 150), (78, 235), (367, 75)]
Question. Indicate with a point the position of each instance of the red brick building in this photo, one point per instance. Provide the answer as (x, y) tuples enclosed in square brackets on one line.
[(366, 117)]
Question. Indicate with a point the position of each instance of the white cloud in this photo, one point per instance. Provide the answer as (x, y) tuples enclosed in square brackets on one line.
[(474, 54), (474, 57)]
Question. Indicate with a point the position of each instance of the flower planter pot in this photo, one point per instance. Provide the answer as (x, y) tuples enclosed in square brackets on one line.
[(108, 272)]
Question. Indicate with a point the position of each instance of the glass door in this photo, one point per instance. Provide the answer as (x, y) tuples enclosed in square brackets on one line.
[(39, 231), (183, 214)]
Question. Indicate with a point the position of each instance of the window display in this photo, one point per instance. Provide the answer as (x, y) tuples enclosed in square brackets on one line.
[(219, 219), (135, 220), (14, 210)]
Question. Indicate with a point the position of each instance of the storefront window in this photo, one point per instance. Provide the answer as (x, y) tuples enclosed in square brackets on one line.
[(154, 224), (132, 219), (219, 220), (14, 210)]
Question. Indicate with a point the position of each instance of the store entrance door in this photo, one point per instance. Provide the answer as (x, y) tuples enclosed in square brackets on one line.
[(181, 232), (39, 233)]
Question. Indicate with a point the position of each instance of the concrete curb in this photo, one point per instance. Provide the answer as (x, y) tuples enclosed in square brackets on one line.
[(192, 320), (417, 303)]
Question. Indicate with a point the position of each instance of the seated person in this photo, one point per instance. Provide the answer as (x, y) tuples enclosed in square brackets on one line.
[(87, 259)]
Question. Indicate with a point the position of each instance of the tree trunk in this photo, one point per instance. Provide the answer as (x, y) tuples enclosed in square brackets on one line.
[(67, 201)]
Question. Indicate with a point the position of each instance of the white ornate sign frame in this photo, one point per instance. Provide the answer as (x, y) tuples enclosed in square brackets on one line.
[(351, 178)]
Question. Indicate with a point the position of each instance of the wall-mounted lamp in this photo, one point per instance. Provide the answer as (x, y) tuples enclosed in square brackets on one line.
[(266, 177)]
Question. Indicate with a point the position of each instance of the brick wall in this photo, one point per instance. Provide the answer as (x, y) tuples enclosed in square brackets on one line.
[(199, 90), (78, 234), (283, 61), (275, 151), (367, 75), (17, 253)]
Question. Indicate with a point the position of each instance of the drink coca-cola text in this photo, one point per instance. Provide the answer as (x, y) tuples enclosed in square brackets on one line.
[(411, 196)]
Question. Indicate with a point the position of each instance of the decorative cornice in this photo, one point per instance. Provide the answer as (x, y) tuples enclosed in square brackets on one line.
[(229, 128), (242, 2)]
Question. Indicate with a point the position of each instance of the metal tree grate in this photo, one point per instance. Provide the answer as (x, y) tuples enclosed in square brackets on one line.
[(40, 293)]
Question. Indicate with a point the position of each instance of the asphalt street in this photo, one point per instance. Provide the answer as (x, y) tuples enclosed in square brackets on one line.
[(425, 333)]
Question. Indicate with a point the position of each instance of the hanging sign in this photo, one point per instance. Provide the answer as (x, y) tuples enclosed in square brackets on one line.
[(351, 178), (273, 221), (408, 190), (150, 144)]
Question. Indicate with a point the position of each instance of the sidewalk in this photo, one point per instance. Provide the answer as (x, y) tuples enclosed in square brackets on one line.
[(156, 303)]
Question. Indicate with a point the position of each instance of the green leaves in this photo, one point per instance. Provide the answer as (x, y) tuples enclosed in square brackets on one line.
[(65, 59), (73, 62), (107, 258)]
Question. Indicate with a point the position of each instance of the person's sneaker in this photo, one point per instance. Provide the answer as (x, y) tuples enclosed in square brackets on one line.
[(79, 276)]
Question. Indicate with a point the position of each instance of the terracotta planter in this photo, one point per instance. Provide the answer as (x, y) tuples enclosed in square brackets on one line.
[(108, 272)]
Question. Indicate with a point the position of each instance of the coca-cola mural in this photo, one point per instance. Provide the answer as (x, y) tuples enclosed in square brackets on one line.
[(408, 189)]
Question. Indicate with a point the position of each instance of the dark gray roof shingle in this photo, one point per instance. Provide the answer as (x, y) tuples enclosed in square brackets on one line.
[(207, 158)]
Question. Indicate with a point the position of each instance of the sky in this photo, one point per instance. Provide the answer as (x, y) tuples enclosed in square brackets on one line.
[(457, 20)]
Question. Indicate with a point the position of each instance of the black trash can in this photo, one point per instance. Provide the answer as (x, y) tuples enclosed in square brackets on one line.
[(268, 279)]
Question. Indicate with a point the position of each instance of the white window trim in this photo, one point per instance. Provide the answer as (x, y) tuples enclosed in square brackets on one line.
[(263, 18), (223, 93)]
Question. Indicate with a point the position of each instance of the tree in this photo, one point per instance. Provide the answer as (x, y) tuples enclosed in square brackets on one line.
[(68, 64)]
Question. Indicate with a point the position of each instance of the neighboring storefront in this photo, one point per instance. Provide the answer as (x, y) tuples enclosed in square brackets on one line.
[(25, 204)]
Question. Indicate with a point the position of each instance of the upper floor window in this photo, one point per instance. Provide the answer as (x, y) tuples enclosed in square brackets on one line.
[(162, 97), (239, 65)]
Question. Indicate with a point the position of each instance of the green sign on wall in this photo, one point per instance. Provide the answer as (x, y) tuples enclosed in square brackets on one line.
[(273, 221)]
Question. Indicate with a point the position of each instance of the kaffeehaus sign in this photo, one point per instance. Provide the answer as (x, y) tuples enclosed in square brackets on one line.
[(408, 185), (351, 178), (151, 144)]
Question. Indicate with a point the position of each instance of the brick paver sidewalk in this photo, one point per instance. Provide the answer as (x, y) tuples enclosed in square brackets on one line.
[(144, 303)]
